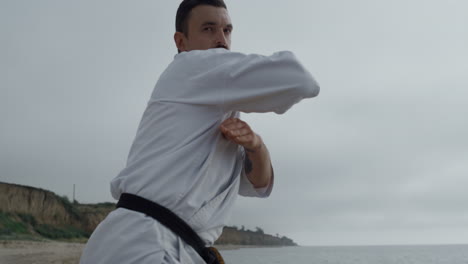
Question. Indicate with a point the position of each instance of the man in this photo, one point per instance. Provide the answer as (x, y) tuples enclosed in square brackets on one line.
[(192, 154)]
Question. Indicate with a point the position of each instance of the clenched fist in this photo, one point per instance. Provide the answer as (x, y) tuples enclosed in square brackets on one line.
[(240, 132)]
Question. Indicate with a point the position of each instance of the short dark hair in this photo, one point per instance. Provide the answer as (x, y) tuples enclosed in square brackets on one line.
[(183, 13)]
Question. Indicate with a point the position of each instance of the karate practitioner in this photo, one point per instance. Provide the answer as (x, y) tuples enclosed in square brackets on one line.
[(192, 154)]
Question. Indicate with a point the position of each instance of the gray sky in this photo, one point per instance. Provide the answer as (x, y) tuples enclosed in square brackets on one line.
[(380, 157)]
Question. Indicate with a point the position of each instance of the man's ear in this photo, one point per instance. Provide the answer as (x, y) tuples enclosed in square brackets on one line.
[(179, 39)]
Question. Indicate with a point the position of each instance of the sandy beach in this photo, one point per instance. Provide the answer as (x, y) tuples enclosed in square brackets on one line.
[(33, 252), (48, 252)]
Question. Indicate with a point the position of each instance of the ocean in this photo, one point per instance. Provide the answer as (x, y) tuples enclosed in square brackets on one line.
[(433, 254)]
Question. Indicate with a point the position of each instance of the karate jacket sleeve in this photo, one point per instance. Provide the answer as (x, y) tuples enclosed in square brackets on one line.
[(234, 81), (256, 83)]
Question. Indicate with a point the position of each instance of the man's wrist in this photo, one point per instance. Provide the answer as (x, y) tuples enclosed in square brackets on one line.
[(254, 149)]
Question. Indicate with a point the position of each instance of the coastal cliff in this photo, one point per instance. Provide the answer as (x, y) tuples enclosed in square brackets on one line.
[(45, 206), (27, 212), (32, 211)]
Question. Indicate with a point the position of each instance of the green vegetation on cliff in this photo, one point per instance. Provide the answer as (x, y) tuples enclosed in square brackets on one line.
[(9, 225), (25, 226)]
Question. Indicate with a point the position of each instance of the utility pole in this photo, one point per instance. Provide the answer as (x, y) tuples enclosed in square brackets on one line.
[(74, 201)]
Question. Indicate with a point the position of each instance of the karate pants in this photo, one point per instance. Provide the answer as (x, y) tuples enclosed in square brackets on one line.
[(128, 237)]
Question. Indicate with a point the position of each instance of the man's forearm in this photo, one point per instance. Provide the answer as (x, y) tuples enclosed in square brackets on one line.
[(257, 166), (257, 163)]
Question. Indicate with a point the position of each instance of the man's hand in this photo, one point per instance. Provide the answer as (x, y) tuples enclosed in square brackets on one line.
[(257, 164), (240, 132)]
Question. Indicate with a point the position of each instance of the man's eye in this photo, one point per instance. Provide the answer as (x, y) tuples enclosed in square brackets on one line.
[(228, 30), (208, 29)]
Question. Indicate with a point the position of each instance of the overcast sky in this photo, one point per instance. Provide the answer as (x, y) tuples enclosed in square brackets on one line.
[(380, 157)]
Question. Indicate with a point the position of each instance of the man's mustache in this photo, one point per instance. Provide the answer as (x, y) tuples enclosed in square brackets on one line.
[(221, 46)]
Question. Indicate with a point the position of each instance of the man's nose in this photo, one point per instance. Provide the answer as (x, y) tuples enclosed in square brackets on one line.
[(221, 39)]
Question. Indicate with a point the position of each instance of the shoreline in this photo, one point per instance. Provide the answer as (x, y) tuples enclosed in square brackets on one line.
[(59, 252), (236, 247), (39, 252)]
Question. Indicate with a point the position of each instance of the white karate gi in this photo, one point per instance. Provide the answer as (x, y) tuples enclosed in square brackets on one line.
[(179, 158)]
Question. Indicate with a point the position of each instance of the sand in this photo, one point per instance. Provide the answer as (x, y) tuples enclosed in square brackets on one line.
[(50, 252), (32, 252)]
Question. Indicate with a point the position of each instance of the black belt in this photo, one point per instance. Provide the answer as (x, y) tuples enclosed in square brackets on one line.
[(172, 222)]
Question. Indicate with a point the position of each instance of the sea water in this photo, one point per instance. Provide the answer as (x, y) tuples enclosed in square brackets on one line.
[(440, 254)]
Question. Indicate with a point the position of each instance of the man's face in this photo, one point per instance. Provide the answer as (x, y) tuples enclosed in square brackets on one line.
[(208, 27)]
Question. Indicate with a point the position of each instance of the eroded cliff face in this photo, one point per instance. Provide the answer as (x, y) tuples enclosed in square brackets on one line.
[(48, 208), (45, 206), (93, 214)]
